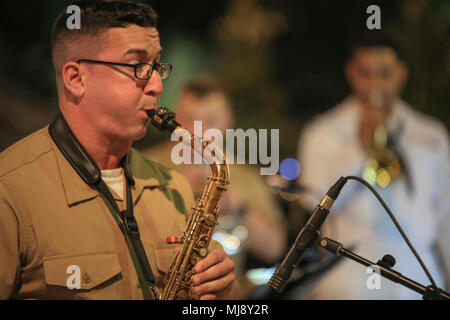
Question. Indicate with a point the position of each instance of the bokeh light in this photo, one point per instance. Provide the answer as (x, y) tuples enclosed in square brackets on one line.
[(290, 168), (383, 178)]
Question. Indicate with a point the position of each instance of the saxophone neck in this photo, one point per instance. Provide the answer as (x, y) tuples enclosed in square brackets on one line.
[(164, 120)]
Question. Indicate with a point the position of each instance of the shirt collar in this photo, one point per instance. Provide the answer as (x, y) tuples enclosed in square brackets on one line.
[(80, 174), (146, 174), (75, 189)]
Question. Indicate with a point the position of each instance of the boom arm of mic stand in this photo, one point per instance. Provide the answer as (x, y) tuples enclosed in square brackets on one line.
[(338, 249)]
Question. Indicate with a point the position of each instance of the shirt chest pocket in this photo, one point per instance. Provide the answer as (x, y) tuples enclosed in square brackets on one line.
[(83, 272), (163, 255)]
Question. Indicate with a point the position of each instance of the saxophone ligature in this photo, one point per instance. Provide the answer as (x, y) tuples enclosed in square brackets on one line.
[(204, 214)]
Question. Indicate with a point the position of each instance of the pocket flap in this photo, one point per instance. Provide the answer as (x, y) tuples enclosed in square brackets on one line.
[(164, 255), (92, 269)]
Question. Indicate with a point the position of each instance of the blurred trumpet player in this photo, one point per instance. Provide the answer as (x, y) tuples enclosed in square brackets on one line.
[(374, 134)]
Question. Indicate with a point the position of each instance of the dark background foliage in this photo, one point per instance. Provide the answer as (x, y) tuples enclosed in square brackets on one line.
[(282, 60)]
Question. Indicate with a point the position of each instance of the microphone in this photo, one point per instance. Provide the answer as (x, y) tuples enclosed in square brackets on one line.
[(306, 237)]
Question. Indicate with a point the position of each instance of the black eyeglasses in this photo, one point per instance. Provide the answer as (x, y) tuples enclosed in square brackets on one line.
[(142, 71)]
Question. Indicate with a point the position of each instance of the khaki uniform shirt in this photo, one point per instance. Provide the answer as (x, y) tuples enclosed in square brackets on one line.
[(50, 221)]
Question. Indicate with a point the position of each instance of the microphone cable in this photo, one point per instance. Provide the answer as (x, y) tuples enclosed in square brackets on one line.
[(391, 215)]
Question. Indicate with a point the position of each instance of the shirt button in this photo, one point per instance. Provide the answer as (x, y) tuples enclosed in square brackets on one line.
[(86, 278)]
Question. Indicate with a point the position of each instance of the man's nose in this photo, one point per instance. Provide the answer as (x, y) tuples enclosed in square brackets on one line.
[(154, 85)]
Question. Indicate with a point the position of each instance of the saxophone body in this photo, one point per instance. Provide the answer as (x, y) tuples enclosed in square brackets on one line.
[(204, 214)]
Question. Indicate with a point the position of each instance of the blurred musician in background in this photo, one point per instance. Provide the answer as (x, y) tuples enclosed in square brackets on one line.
[(374, 134)]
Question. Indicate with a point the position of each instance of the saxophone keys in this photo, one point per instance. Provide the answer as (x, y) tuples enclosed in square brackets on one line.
[(194, 260), (187, 277), (182, 294), (203, 252)]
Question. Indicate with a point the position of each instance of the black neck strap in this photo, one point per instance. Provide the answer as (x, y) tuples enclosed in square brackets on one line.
[(88, 170)]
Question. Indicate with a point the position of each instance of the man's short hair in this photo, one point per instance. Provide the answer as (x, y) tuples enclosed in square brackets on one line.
[(99, 16), (370, 40)]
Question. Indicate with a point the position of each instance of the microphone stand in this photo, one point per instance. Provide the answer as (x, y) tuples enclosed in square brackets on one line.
[(385, 265)]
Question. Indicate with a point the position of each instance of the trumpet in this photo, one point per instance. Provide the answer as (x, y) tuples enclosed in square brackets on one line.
[(383, 164)]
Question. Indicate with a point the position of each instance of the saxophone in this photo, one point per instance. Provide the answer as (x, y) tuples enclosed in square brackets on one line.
[(204, 214)]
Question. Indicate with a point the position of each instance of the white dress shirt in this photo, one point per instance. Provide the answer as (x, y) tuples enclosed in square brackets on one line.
[(329, 147)]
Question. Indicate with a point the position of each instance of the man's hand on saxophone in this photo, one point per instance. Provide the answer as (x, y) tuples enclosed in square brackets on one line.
[(214, 277)]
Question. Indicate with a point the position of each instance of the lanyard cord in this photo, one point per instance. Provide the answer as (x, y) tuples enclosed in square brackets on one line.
[(132, 232)]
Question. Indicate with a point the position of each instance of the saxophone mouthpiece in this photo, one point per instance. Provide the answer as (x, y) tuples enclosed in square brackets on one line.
[(163, 119), (150, 113)]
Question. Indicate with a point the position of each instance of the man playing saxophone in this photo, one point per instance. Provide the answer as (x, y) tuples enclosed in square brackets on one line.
[(82, 214)]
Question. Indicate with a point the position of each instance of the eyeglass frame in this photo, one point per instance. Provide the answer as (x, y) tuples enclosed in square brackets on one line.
[(135, 66)]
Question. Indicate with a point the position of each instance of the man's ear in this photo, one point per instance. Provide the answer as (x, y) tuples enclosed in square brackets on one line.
[(73, 79)]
